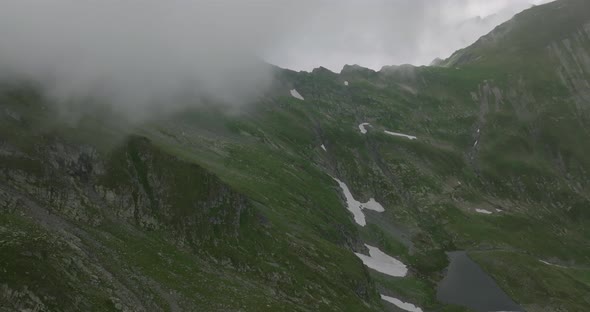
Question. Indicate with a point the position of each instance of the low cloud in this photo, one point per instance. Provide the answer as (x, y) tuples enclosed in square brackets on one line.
[(141, 55), (374, 33)]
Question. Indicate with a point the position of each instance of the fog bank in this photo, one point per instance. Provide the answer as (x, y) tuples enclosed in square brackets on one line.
[(137, 54), (145, 57)]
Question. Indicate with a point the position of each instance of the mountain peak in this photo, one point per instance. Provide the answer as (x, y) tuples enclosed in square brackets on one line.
[(527, 33)]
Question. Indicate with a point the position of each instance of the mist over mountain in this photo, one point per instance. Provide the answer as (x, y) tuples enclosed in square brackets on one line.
[(376, 33), (137, 54), (142, 58), (460, 187)]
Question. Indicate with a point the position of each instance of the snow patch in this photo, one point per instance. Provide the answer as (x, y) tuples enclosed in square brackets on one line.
[(552, 264), (475, 144), (296, 95), (324, 147), (372, 204), (381, 262), (400, 304), (346, 83), (483, 211), (362, 127), (357, 207), (411, 137)]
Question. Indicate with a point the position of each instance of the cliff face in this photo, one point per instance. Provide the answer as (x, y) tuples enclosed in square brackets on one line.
[(136, 183), (573, 58), (68, 194)]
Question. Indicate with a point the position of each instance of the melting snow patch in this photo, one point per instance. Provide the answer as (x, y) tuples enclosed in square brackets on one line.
[(400, 304), (483, 211), (551, 264), (346, 83), (545, 262), (381, 262), (411, 137), (296, 95), (357, 207), (324, 147), (372, 204), (475, 144), (362, 127)]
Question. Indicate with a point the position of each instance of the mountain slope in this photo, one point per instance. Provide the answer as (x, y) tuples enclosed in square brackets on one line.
[(528, 34), (205, 210)]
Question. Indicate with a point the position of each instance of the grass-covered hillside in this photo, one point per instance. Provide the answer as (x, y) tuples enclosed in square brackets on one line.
[(207, 210)]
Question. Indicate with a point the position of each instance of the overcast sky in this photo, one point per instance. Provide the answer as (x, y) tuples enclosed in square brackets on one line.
[(139, 52), (374, 33)]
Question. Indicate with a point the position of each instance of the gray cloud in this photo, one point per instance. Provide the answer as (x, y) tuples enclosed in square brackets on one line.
[(138, 54), (373, 33)]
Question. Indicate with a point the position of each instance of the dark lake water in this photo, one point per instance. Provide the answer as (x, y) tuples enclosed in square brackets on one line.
[(466, 284)]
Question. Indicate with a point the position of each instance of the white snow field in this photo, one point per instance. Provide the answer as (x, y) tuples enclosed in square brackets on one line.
[(400, 304), (381, 262), (296, 95), (362, 127), (411, 137), (357, 207)]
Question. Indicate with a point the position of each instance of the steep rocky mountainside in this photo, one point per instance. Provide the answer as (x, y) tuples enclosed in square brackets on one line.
[(132, 226), (205, 210)]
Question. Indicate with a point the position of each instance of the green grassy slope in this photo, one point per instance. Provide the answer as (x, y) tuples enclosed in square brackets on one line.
[(206, 210)]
